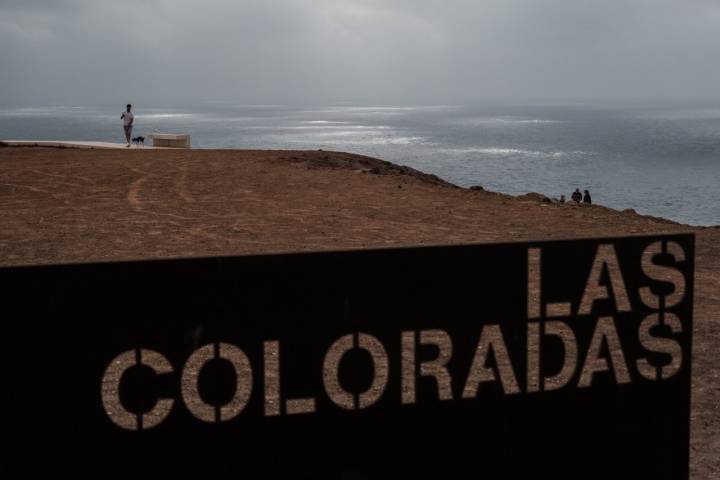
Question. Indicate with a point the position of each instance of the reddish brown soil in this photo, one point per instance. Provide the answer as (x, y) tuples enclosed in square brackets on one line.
[(62, 205)]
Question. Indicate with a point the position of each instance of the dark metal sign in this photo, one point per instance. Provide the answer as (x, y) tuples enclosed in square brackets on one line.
[(567, 359)]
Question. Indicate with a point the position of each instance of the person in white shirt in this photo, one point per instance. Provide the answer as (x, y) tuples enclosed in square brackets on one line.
[(127, 117)]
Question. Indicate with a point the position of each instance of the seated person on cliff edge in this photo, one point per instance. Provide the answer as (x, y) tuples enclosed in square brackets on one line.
[(576, 196), (586, 198)]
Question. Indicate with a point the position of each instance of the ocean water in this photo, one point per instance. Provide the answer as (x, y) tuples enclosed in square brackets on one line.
[(659, 159)]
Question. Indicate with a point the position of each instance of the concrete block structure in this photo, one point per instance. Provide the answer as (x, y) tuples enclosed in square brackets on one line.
[(170, 140)]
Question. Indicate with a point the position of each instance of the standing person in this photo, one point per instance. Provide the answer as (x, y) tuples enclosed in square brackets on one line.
[(127, 117), (576, 196), (586, 198)]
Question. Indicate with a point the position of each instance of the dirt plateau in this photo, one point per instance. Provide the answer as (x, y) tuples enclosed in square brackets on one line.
[(68, 205)]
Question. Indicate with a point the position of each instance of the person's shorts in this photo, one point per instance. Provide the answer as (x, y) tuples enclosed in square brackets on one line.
[(128, 129)]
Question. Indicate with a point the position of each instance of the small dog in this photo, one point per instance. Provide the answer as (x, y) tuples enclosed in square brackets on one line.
[(139, 140)]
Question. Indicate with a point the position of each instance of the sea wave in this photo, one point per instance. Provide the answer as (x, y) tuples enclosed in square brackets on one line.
[(168, 116), (351, 129), (517, 152), (350, 140), (43, 111), (468, 122), (532, 120), (324, 122), (378, 141)]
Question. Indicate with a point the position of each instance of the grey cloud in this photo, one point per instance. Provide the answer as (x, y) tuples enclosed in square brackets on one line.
[(379, 51)]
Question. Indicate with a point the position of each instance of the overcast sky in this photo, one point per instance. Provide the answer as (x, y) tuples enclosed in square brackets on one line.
[(356, 51)]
